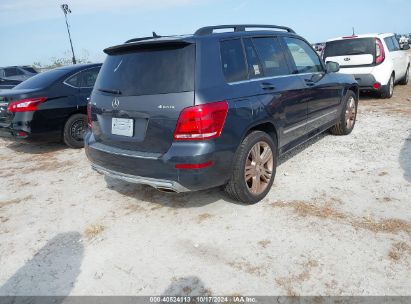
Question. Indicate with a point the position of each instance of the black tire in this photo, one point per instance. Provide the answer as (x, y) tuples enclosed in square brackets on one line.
[(404, 81), (343, 127), (74, 129), (237, 188), (388, 90)]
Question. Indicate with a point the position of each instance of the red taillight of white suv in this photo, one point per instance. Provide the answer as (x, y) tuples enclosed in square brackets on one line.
[(25, 105), (201, 122), (379, 51)]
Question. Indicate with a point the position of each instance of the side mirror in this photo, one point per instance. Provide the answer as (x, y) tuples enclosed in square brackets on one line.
[(405, 47), (332, 67)]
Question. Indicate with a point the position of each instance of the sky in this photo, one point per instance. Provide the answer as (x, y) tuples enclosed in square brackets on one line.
[(35, 30)]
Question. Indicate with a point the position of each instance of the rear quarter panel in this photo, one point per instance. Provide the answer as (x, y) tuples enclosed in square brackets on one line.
[(52, 114)]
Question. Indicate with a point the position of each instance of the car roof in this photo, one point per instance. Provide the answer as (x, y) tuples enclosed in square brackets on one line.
[(16, 66), (373, 35), (237, 30), (76, 67), (67, 67)]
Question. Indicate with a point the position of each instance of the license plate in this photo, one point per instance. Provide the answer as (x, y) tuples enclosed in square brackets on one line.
[(122, 126)]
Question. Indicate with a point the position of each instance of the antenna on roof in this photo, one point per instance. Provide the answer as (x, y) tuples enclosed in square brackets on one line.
[(353, 31), (155, 35)]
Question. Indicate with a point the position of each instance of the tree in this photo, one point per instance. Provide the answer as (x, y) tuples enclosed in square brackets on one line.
[(55, 62)]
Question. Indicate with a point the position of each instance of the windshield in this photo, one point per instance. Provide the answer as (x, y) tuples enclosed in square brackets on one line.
[(154, 70), (42, 80), (30, 69), (358, 46)]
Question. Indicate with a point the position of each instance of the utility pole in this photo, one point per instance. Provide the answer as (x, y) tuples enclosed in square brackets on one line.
[(66, 11)]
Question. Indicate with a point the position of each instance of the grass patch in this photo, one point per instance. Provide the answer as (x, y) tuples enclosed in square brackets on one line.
[(94, 230), (15, 201)]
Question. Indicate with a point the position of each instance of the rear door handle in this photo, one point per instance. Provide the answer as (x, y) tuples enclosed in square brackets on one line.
[(267, 86)]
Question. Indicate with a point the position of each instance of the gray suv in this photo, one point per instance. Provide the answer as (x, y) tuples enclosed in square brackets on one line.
[(185, 113)]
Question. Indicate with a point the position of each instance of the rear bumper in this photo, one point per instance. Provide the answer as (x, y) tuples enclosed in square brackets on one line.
[(8, 132), (160, 184), (159, 170), (23, 126), (365, 81)]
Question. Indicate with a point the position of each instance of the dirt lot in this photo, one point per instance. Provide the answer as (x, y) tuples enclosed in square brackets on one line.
[(336, 222)]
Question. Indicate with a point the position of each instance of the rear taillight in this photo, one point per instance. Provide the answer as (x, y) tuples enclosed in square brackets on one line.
[(89, 121), (25, 105), (201, 122), (194, 166), (379, 52), (376, 86)]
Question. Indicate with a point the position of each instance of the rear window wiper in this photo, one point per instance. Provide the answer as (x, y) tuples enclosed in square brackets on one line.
[(111, 91)]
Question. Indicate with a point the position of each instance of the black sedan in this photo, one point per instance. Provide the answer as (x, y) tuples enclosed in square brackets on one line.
[(49, 105)]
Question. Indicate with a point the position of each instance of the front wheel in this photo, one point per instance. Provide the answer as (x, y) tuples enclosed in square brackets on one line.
[(348, 117), (254, 168), (74, 130)]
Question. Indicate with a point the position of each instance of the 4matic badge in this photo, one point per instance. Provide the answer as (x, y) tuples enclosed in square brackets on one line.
[(166, 107)]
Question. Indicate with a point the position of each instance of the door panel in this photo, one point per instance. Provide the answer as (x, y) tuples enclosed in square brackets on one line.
[(322, 92), (398, 58), (287, 106), (281, 93)]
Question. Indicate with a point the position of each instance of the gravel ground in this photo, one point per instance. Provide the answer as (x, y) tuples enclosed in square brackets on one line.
[(336, 222)]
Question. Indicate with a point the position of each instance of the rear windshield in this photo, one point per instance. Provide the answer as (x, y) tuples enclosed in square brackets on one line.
[(358, 46), (42, 80), (154, 70)]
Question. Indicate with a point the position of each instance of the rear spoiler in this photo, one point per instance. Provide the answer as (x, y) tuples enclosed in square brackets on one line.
[(145, 45)]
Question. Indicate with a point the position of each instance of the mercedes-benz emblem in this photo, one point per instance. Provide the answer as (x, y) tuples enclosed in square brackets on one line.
[(115, 103)]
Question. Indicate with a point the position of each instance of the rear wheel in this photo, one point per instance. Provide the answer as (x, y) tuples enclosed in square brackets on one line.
[(388, 90), (254, 168), (74, 131), (404, 81), (348, 116)]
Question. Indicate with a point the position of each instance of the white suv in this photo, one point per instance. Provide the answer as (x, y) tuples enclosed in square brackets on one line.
[(376, 60)]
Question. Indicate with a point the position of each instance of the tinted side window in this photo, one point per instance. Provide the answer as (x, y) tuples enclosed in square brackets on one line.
[(232, 60), (305, 59), (390, 44), (1, 73), (396, 44), (12, 72), (30, 70), (254, 66), (271, 56), (74, 80), (88, 77)]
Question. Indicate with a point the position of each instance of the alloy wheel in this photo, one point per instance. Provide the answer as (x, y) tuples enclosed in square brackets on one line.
[(259, 168), (350, 113), (78, 129)]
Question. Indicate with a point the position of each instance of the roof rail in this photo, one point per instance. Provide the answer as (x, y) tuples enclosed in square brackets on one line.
[(208, 30)]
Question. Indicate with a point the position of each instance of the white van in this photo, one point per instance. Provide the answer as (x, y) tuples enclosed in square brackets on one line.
[(376, 60)]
